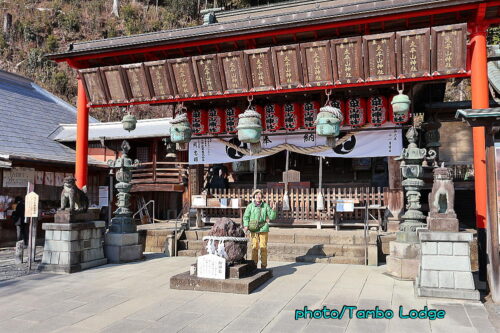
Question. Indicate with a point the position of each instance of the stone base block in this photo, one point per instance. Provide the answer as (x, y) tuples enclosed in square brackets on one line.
[(246, 285), (122, 239), (442, 222), (122, 254), (392, 226), (404, 250), (66, 216), (72, 247), (466, 294), (403, 269), (66, 269)]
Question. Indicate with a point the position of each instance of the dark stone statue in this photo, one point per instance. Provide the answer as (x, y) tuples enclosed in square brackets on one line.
[(442, 215), (72, 198)]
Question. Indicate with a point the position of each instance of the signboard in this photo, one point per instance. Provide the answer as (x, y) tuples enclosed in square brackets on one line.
[(316, 63), (233, 72), (114, 82), (379, 57), (103, 196), (158, 76), (182, 72), (363, 144), (18, 177), (138, 86), (211, 266), (287, 67), (413, 53), (345, 205), (347, 60), (207, 75), (94, 86), (31, 205), (259, 69), (450, 47), (59, 179)]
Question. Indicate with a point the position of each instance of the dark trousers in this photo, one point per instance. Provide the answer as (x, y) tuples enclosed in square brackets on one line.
[(22, 233)]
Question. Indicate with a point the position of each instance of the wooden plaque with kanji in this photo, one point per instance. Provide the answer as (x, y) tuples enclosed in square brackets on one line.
[(347, 60), (259, 67), (206, 69), (379, 57), (184, 78), (233, 72), (159, 79), (316, 63), (413, 53), (449, 47), (287, 66), (94, 87)]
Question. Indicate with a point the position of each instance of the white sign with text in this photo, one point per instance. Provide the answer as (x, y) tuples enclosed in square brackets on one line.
[(211, 266)]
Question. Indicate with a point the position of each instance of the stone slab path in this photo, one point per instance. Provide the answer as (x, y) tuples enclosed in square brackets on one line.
[(136, 298)]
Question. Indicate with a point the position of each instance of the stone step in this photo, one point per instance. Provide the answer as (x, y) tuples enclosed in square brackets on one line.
[(190, 244), (188, 253), (316, 249), (318, 259)]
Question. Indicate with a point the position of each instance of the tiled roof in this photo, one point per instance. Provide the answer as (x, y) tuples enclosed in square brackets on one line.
[(494, 67), (145, 128), (28, 115)]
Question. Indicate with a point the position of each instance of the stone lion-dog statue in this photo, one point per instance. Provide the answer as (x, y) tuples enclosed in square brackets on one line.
[(72, 197)]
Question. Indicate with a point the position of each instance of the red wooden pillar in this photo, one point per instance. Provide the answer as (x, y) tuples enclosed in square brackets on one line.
[(82, 137), (480, 100), (479, 83)]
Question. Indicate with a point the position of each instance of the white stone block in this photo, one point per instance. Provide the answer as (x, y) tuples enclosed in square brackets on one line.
[(56, 235), (54, 258), (445, 248), (464, 280), (461, 249), (446, 263), (446, 280), (69, 235), (429, 248), (64, 258), (85, 234), (122, 239), (46, 257), (49, 234), (429, 279)]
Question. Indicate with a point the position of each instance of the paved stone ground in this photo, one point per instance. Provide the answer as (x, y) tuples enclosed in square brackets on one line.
[(136, 298), (8, 268)]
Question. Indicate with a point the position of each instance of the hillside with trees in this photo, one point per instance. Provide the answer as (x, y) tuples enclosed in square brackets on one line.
[(35, 28)]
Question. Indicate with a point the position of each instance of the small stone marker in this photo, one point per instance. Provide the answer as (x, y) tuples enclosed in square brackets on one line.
[(18, 257), (211, 266), (31, 205)]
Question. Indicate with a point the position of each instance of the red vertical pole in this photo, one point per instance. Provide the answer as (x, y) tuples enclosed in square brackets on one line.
[(82, 137), (480, 100)]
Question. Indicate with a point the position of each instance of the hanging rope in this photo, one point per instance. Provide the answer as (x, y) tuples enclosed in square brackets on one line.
[(289, 147)]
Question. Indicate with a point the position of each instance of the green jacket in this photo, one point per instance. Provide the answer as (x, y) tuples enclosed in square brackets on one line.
[(252, 213)]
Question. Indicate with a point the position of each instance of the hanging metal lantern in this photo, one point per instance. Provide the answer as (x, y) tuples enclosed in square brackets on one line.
[(180, 130), (400, 108), (129, 122), (250, 129), (328, 123)]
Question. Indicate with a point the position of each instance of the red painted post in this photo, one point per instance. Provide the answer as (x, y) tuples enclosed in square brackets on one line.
[(82, 137), (480, 100)]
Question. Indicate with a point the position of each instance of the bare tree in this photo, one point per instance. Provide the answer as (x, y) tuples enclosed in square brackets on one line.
[(116, 8)]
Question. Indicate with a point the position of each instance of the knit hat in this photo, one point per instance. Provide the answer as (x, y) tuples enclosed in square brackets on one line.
[(255, 192)]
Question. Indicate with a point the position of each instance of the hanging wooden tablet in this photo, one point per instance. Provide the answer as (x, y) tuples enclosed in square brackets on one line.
[(233, 72), (259, 69), (184, 78), (449, 47), (316, 63), (413, 53), (379, 57), (206, 69), (159, 80), (347, 60), (287, 66)]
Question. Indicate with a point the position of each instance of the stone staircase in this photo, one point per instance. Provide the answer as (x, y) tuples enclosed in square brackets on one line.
[(301, 245)]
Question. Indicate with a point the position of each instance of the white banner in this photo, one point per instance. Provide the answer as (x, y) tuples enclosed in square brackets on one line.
[(363, 144)]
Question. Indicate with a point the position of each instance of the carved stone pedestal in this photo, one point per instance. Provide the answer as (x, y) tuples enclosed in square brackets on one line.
[(403, 261), (72, 247), (67, 216), (445, 269), (120, 248), (442, 222)]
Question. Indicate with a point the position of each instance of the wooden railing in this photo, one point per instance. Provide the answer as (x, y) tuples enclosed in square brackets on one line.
[(303, 203), (159, 172)]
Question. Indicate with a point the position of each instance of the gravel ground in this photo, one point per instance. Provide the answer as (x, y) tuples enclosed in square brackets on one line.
[(9, 270)]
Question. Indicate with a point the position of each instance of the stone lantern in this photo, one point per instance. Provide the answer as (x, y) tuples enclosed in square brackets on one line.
[(129, 122), (180, 129), (122, 239), (328, 123), (411, 167), (250, 129)]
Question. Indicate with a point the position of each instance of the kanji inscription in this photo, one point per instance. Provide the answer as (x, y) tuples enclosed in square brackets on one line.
[(347, 60)]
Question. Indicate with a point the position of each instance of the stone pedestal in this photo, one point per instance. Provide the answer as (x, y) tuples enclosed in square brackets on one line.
[(67, 216), (393, 224), (72, 247), (442, 222), (403, 261), (445, 269), (120, 248)]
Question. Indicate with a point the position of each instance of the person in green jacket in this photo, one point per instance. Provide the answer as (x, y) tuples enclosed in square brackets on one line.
[(260, 210)]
